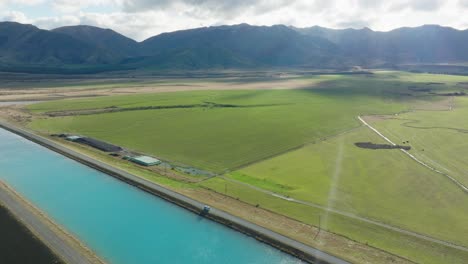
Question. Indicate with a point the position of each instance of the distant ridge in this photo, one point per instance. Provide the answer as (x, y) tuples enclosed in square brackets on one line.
[(21, 44), (240, 46), (102, 38), (223, 47), (425, 44)]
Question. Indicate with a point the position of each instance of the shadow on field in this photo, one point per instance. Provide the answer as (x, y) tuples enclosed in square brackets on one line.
[(18, 245), (380, 86)]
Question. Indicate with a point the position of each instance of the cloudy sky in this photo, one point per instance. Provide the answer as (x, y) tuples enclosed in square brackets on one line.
[(140, 19)]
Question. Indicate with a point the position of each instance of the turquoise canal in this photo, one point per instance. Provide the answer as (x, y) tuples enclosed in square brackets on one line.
[(117, 221)]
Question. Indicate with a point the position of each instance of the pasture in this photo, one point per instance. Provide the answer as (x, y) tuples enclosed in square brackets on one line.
[(439, 138), (264, 124), (384, 185), (256, 125)]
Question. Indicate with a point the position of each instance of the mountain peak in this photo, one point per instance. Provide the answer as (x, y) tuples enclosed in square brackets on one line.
[(13, 23), (102, 38), (86, 29)]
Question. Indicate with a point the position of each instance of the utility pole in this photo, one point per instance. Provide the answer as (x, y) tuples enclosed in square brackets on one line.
[(320, 223), (319, 226)]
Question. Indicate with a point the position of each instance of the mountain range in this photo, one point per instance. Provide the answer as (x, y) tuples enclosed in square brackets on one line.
[(237, 46)]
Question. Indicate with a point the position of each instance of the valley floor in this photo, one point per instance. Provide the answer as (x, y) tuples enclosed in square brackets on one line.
[(287, 159)]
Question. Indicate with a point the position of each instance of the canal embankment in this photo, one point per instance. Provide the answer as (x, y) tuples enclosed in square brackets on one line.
[(62, 244), (16, 239), (281, 242)]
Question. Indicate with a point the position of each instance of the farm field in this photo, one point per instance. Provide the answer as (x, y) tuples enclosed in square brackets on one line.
[(300, 143), (439, 138), (384, 185), (37, 88), (267, 122), (378, 184)]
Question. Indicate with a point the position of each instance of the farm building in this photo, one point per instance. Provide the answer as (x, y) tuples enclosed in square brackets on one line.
[(145, 160), (72, 138), (106, 147)]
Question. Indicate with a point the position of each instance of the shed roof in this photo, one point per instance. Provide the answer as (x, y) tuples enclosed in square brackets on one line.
[(146, 160), (104, 146), (72, 138)]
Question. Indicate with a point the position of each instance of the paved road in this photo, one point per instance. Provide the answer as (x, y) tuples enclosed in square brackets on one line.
[(459, 184), (52, 237)]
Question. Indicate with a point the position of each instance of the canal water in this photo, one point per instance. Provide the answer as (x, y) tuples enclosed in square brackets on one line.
[(121, 223)]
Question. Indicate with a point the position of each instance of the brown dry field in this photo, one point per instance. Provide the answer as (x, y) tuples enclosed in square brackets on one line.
[(55, 93), (15, 115), (447, 104)]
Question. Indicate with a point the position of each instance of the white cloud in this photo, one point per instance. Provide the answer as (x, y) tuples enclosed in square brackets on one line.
[(71, 6), (463, 3), (16, 16), (55, 22), (21, 2), (138, 26), (226, 6)]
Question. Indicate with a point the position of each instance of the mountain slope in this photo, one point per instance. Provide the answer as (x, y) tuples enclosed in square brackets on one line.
[(425, 44), (245, 45), (238, 46), (26, 44), (102, 38)]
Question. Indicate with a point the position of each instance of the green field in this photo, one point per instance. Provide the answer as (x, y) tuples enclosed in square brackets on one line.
[(266, 123), (384, 185), (439, 138), (300, 143), (338, 174)]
